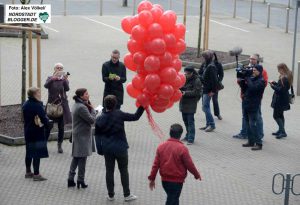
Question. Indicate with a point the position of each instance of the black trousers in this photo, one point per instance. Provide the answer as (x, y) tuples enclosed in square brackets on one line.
[(279, 118), (173, 191), (61, 129), (79, 162), (122, 161), (36, 165), (216, 104)]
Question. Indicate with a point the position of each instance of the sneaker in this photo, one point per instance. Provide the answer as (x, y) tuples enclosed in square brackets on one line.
[(189, 143), (110, 198), (240, 136), (183, 139), (203, 128), (38, 178), (219, 117), (276, 133), (281, 135), (131, 197), (209, 129), (28, 175)]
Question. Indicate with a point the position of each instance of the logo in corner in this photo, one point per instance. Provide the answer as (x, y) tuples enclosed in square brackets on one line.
[(44, 16)]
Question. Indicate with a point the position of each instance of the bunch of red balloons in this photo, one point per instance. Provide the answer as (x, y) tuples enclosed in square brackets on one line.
[(155, 43)]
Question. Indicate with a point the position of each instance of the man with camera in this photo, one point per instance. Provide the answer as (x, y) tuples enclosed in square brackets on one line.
[(252, 85), (253, 61)]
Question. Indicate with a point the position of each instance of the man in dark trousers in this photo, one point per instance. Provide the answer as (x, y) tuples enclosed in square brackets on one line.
[(191, 94), (209, 80), (114, 75), (172, 160)]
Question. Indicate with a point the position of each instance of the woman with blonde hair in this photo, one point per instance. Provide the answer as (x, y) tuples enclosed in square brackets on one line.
[(280, 100)]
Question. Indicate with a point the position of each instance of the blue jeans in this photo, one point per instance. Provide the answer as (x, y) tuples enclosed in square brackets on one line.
[(206, 109), (251, 126), (189, 122), (173, 191)]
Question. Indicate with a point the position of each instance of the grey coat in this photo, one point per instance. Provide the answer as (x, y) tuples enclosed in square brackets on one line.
[(82, 130)]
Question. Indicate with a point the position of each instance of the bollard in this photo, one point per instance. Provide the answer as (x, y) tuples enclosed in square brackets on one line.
[(134, 5), (1, 13), (287, 189), (12, 1), (298, 80), (269, 14), (170, 4), (101, 7), (251, 7), (65, 7), (234, 9), (287, 20)]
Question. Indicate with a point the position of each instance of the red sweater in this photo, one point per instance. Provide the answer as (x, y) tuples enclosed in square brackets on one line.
[(173, 160)]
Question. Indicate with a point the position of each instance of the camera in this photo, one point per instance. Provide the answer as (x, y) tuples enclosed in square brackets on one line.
[(244, 72)]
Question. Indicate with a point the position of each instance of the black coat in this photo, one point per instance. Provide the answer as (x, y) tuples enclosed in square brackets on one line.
[(113, 87), (110, 130), (35, 138), (280, 98), (193, 92), (209, 77), (254, 89)]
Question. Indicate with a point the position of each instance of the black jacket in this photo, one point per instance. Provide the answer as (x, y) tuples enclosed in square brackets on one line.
[(193, 92), (113, 87), (209, 77), (280, 98), (254, 88), (110, 129)]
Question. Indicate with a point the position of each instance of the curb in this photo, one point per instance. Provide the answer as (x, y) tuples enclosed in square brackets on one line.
[(9, 34)]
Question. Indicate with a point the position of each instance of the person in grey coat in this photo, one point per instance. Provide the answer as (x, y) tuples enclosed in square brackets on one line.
[(191, 94), (58, 86), (84, 117)]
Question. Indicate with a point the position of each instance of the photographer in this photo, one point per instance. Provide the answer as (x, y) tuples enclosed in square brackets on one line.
[(253, 61), (253, 88), (58, 85)]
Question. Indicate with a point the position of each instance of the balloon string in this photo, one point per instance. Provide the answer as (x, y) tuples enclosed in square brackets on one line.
[(155, 128)]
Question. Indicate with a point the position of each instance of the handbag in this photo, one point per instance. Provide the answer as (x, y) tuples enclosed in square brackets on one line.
[(292, 96), (54, 109), (220, 85)]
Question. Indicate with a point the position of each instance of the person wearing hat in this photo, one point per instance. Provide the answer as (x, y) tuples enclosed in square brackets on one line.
[(254, 87), (191, 94)]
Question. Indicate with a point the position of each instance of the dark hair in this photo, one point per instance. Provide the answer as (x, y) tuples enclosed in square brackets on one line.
[(116, 52), (110, 102), (79, 93), (176, 131), (32, 91)]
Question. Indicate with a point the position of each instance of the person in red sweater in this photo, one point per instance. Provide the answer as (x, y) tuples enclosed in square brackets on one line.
[(172, 160)]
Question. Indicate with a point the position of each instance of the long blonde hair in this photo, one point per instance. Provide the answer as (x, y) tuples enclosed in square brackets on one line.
[(287, 73)]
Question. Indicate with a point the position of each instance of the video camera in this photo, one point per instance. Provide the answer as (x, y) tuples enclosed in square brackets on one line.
[(244, 72)]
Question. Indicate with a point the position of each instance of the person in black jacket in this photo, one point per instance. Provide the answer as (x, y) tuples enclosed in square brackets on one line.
[(280, 100), (253, 87), (35, 122), (110, 133), (209, 81), (114, 75), (191, 94)]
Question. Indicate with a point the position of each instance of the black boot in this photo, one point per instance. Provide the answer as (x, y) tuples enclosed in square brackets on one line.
[(59, 148), (82, 184), (276, 133), (71, 183), (248, 144), (257, 147)]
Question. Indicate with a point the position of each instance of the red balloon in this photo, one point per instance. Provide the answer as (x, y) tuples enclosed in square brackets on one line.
[(177, 64), (183, 79), (145, 18), (177, 96), (180, 46), (128, 61), (170, 40), (156, 13), (158, 6), (165, 59), (168, 20), (177, 82), (165, 91), (126, 24), (161, 102), (158, 109), (179, 30), (132, 92), (168, 75), (138, 33), (171, 103), (158, 46), (144, 5), (139, 58), (155, 31), (141, 70), (152, 82), (135, 20), (134, 46), (138, 82), (152, 64), (143, 100)]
